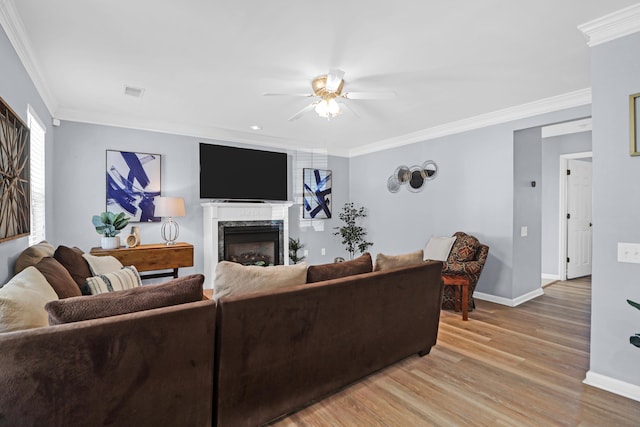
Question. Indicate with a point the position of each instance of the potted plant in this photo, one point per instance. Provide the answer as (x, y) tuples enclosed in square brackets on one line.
[(353, 235), (109, 225), (634, 339), (294, 247)]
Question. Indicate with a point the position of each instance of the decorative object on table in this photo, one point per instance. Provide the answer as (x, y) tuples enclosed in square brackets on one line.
[(170, 207), (133, 183), (133, 239), (353, 235), (634, 339), (110, 224), (15, 198), (634, 119), (316, 193), (414, 177), (338, 259), (294, 247)]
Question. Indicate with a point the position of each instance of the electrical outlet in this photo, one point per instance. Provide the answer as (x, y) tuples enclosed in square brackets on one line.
[(323, 251), (629, 252)]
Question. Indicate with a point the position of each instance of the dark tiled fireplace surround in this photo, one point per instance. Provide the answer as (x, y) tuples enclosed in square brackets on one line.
[(251, 242)]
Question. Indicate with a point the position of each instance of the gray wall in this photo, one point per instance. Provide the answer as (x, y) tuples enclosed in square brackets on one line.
[(552, 148), (79, 189), (473, 192), (616, 207), (18, 91), (527, 211)]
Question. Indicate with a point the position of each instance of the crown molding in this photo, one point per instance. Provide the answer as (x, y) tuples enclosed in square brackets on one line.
[(612, 26), (543, 106), (12, 24)]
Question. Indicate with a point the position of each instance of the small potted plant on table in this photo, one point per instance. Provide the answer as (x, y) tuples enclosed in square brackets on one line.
[(109, 225)]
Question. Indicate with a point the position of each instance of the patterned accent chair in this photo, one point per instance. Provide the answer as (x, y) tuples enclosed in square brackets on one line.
[(466, 260)]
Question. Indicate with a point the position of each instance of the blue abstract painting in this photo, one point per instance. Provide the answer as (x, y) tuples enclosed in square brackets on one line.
[(133, 182), (316, 194)]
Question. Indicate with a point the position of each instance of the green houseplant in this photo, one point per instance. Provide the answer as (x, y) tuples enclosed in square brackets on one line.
[(294, 247), (109, 225), (634, 339), (353, 235)]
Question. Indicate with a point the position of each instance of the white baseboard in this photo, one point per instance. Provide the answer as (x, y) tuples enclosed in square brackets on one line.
[(551, 277), (622, 388), (506, 301)]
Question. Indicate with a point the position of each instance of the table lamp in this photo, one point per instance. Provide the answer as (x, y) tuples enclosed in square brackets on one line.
[(169, 207)]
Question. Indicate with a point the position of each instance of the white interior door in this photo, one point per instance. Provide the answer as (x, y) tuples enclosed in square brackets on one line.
[(578, 218)]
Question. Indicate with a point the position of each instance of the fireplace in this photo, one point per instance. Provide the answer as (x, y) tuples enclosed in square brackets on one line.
[(251, 242), (240, 214)]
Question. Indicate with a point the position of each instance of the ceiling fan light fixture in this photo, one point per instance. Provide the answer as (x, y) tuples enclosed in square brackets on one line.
[(327, 108)]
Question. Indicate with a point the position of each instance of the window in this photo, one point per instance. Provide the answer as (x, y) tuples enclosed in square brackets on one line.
[(37, 135)]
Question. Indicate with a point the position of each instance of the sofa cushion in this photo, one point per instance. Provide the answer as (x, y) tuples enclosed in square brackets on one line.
[(71, 259), (177, 291), (389, 262), (22, 301), (102, 264), (438, 248), (360, 265), (237, 279), (32, 255), (58, 277), (125, 278)]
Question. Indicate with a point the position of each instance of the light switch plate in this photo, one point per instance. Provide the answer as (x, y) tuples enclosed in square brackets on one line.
[(524, 231), (629, 252)]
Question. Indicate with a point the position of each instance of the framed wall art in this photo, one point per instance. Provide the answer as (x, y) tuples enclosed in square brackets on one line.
[(15, 192), (133, 182), (316, 194), (634, 119)]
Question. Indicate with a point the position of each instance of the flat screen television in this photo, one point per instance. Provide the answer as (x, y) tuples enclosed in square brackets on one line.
[(242, 174)]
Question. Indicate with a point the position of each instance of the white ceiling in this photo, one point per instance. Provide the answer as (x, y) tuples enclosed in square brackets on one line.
[(205, 65)]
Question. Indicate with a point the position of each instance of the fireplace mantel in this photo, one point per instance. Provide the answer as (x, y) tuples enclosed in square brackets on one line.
[(215, 212)]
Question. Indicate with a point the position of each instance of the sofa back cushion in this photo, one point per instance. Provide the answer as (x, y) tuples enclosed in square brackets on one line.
[(237, 279), (58, 277), (360, 265), (22, 301), (32, 255), (177, 291), (71, 259), (389, 262)]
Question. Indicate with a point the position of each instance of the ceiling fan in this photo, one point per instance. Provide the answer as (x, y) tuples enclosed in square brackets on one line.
[(328, 88)]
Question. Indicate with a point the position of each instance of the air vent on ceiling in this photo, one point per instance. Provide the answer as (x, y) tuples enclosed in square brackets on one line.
[(136, 92)]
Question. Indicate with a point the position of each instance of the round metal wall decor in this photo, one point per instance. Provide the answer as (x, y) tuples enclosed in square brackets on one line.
[(414, 177)]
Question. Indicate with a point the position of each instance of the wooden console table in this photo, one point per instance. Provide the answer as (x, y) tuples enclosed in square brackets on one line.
[(152, 257)]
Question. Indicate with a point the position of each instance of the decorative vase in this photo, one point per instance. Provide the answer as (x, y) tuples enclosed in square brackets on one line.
[(110, 242)]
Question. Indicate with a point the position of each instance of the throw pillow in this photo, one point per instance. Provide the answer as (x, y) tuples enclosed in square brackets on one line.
[(125, 278), (58, 277), (389, 262), (177, 291), (22, 301), (237, 279), (32, 255), (360, 265), (102, 264), (438, 248), (71, 259)]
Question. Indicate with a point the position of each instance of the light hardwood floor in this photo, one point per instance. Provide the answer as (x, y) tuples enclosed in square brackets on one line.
[(519, 366)]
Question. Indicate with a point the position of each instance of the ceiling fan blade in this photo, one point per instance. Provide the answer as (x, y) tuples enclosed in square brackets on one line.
[(299, 114), (369, 95), (348, 107), (334, 78), (288, 94)]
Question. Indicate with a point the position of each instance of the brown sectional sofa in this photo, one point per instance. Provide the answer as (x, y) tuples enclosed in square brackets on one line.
[(277, 351), (243, 361)]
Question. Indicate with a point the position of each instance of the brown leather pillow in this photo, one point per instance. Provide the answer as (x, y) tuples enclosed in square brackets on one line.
[(389, 262), (32, 255), (76, 265), (58, 277), (360, 265), (177, 291)]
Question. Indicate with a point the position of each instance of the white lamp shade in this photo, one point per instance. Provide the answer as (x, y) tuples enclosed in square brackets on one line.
[(169, 207)]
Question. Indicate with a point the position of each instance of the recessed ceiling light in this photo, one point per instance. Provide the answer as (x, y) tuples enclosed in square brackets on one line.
[(255, 127), (135, 92)]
